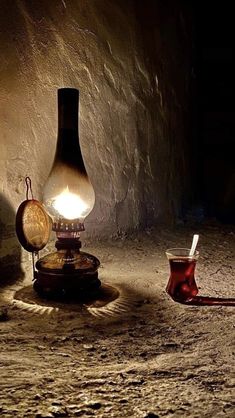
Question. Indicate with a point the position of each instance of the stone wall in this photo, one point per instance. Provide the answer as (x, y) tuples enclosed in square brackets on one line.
[(130, 60)]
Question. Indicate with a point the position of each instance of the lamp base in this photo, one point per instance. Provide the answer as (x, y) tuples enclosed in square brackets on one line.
[(54, 287), (67, 274)]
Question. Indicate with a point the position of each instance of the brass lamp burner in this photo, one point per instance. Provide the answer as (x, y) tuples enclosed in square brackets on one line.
[(63, 225)]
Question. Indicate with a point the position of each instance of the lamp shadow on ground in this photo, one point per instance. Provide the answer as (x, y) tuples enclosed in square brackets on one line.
[(137, 324), (10, 250), (114, 302)]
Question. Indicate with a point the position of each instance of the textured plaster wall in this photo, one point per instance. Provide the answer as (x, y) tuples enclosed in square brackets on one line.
[(130, 61)]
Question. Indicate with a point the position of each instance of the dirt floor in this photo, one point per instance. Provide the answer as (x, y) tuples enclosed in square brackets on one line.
[(141, 355)]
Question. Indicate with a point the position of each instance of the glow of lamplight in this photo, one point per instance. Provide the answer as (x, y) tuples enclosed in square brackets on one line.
[(69, 205)]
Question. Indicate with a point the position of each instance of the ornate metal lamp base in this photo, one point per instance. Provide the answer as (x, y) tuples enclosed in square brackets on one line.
[(67, 273), (66, 287)]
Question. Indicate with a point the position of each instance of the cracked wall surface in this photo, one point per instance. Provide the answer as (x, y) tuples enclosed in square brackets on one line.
[(131, 63)]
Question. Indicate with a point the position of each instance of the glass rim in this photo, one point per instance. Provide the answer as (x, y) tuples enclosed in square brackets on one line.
[(175, 252)]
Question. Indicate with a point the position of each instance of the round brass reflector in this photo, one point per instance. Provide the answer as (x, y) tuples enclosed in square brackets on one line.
[(33, 225)]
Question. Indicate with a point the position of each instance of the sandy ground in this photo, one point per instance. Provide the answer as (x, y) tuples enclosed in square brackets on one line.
[(143, 356)]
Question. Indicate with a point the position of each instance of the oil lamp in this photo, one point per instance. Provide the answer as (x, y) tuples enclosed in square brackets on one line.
[(68, 198)]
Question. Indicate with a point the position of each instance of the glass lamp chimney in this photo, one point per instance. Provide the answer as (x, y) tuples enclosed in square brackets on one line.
[(68, 194)]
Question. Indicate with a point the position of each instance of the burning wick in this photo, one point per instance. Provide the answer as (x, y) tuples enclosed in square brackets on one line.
[(194, 244), (69, 205)]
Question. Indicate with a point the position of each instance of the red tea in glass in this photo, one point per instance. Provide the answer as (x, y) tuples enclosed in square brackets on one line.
[(182, 284)]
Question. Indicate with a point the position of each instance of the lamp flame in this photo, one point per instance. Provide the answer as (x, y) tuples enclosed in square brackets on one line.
[(69, 205)]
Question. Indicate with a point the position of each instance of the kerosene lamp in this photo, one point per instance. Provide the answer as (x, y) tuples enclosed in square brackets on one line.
[(68, 198)]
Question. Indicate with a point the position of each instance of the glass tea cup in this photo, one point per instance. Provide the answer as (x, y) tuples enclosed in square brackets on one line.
[(182, 285)]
